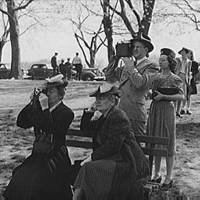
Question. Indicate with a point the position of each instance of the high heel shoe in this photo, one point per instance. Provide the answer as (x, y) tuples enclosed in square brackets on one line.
[(157, 180), (166, 186)]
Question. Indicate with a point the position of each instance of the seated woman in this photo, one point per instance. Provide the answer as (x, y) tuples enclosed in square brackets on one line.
[(117, 163), (162, 115), (45, 174)]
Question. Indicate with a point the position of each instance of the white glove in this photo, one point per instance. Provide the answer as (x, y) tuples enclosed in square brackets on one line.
[(43, 99), (88, 159)]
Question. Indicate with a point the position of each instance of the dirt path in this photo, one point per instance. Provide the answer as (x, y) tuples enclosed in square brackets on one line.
[(16, 143)]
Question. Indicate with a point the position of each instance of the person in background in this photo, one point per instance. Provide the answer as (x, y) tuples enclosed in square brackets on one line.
[(183, 70), (46, 173), (117, 163), (54, 64), (78, 66), (62, 68), (192, 88), (162, 114), (68, 69), (135, 79)]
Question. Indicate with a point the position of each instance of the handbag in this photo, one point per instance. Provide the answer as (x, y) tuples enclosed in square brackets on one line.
[(166, 91)]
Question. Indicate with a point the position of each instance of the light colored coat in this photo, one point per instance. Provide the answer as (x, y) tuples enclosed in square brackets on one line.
[(134, 87)]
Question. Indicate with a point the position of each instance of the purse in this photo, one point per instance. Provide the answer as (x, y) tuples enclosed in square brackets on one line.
[(166, 91)]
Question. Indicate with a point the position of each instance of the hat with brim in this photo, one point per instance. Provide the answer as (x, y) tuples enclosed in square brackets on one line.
[(106, 89), (146, 40), (56, 81), (168, 52), (184, 49)]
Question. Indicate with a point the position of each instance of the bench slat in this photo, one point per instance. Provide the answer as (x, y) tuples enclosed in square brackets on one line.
[(81, 144), (75, 132), (152, 140), (154, 152)]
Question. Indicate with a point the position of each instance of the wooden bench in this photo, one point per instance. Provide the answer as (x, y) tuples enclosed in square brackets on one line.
[(75, 138)]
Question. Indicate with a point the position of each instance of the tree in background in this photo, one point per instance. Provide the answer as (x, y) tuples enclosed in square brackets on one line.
[(12, 13), (4, 34), (88, 38)]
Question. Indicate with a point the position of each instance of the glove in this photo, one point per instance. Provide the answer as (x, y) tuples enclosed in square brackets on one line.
[(43, 99), (88, 159)]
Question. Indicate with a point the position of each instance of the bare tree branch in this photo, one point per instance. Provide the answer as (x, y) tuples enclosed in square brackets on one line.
[(20, 7)]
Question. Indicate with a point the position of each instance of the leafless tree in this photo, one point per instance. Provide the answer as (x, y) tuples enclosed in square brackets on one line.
[(190, 10), (88, 38), (143, 20), (12, 8)]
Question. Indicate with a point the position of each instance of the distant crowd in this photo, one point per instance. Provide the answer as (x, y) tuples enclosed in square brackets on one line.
[(66, 68)]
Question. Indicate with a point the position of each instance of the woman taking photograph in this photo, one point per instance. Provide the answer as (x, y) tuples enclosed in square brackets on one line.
[(117, 163), (45, 174), (162, 115)]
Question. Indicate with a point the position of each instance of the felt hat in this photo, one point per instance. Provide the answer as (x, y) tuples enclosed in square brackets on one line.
[(184, 49), (106, 88), (167, 52), (145, 39)]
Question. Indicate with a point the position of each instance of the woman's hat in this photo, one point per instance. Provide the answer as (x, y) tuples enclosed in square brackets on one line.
[(145, 39), (184, 49), (167, 52), (106, 88), (56, 81)]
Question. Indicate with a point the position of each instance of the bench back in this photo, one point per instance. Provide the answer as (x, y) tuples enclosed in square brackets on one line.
[(76, 138)]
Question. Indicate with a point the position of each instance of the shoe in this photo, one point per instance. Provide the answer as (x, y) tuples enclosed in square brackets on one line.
[(182, 112), (157, 180), (166, 186), (188, 112), (178, 115)]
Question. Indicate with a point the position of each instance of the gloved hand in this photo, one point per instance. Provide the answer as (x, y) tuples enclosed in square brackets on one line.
[(88, 159), (43, 99)]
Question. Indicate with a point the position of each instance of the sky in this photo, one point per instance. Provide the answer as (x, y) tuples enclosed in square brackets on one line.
[(41, 42)]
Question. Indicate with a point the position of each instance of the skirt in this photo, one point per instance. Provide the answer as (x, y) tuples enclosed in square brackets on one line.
[(32, 181), (162, 123)]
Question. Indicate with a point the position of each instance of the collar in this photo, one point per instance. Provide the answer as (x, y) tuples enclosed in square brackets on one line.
[(140, 60), (55, 106)]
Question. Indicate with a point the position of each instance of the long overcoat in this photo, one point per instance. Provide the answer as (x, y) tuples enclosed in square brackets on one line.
[(114, 140), (33, 179)]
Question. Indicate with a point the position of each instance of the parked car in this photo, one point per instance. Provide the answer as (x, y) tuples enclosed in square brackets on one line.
[(90, 74), (4, 71), (40, 71)]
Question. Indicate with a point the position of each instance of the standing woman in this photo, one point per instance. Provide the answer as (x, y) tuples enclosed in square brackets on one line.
[(117, 163), (162, 114), (45, 174), (192, 88), (183, 69)]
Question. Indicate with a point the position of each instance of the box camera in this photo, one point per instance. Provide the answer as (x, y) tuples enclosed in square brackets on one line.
[(124, 49)]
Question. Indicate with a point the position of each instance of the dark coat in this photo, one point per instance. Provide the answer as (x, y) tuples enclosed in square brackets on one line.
[(113, 140), (33, 174)]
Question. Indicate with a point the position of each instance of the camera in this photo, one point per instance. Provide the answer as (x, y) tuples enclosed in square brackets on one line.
[(124, 49)]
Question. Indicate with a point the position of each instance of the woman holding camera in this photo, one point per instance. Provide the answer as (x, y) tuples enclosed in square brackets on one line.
[(114, 169), (161, 122), (45, 174)]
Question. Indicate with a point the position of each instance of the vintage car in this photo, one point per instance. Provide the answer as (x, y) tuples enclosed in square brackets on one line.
[(90, 74), (4, 71), (39, 71)]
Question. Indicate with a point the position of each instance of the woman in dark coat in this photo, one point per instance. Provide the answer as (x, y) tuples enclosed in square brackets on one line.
[(117, 163), (192, 88), (45, 174)]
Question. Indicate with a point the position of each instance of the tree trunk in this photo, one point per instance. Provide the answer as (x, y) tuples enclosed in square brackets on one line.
[(14, 39), (107, 23), (92, 59), (148, 6), (2, 43)]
